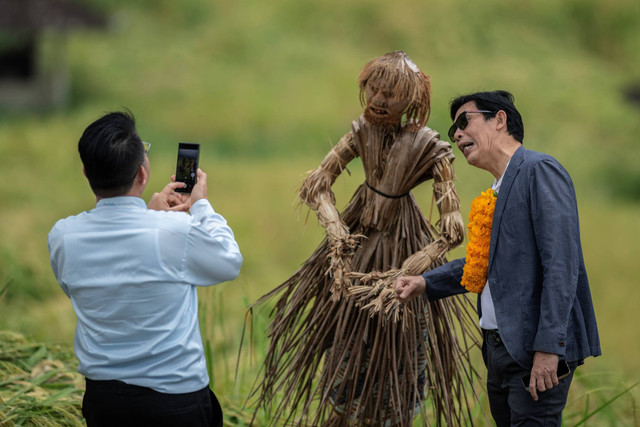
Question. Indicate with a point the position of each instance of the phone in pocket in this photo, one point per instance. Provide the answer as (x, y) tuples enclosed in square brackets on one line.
[(562, 372), (187, 166)]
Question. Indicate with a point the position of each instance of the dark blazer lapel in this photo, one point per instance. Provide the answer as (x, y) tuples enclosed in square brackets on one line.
[(503, 195)]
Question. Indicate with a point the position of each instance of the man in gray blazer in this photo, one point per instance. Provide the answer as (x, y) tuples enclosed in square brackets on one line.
[(535, 307)]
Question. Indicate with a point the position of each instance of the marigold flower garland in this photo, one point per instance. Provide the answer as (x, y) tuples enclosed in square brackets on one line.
[(474, 274)]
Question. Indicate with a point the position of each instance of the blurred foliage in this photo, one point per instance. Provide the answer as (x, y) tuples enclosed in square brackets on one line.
[(268, 87), (279, 78)]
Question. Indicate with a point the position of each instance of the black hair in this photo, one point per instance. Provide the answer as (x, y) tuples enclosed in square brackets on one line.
[(494, 101), (111, 152)]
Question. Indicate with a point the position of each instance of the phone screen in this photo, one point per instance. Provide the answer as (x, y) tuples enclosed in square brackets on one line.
[(188, 157), (562, 372)]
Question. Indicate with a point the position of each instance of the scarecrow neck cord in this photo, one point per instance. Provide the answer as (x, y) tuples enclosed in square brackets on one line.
[(389, 196)]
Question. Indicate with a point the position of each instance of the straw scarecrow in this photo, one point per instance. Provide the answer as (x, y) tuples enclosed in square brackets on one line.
[(343, 350)]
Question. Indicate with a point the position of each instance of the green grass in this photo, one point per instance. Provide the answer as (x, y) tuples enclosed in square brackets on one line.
[(267, 87), (39, 385)]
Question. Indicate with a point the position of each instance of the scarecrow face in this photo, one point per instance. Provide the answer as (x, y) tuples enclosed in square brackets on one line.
[(382, 107)]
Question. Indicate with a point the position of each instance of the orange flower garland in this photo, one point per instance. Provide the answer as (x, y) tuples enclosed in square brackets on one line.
[(474, 275)]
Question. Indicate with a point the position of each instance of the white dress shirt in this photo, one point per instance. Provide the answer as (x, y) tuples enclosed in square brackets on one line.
[(131, 274), (488, 319)]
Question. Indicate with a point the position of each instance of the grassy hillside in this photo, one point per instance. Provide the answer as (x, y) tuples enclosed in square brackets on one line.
[(267, 87)]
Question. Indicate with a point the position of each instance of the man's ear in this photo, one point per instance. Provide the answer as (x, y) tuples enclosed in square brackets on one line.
[(85, 173), (142, 176), (501, 120)]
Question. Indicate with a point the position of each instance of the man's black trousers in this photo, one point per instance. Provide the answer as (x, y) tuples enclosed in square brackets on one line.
[(511, 404), (114, 403)]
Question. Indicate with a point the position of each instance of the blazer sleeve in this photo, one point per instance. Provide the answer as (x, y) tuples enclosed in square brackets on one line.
[(444, 281), (554, 216)]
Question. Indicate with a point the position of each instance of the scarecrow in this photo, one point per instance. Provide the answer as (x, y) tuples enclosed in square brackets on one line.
[(342, 350)]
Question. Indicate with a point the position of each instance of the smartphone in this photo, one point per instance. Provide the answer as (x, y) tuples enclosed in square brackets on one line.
[(187, 166), (562, 372)]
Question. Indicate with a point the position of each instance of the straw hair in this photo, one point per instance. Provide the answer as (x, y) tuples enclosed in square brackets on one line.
[(397, 69)]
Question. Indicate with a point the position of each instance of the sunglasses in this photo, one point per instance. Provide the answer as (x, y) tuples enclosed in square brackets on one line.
[(462, 121)]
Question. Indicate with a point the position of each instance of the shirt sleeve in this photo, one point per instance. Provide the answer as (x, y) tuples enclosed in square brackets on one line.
[(56, 254), (211, 254)]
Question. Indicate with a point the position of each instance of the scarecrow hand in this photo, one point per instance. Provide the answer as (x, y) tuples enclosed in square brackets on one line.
[(379, 278), (341, 251), (376, 293), (345, 245)]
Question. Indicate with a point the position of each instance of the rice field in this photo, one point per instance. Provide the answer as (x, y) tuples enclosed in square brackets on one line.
[(267, 88)]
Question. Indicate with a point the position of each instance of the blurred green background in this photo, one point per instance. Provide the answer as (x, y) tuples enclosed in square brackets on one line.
[(268, 86)]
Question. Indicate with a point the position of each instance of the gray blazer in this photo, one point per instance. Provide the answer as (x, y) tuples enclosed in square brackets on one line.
[(538, 280)]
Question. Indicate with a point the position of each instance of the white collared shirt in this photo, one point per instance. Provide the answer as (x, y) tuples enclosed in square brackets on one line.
[(131, 274), (488, 319)]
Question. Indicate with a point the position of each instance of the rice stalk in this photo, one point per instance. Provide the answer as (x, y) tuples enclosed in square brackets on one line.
[(39, 384)]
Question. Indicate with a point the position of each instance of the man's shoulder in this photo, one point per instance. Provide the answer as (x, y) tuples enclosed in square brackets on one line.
[(543, 169), (68, 222), (531, 157), (533, 161)]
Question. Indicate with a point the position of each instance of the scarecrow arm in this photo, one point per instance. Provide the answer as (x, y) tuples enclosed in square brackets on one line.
[(316, 190), (451, 224)]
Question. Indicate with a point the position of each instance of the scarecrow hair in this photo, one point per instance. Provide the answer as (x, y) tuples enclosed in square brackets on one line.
[(397, 69)]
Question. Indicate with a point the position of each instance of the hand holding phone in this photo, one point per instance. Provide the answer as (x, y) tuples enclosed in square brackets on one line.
[(200, 189), (187, 166)]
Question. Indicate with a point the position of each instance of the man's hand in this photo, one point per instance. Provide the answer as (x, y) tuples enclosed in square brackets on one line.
[(199, 190), (409, 287), (169, 200), (543, 373)]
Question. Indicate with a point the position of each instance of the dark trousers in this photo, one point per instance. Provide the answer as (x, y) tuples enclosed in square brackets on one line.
[(511, 404), (114, 403)]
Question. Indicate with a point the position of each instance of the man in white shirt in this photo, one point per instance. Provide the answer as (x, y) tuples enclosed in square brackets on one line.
[(132, 272)]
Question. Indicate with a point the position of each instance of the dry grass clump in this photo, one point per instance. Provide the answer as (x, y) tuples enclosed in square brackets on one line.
[(39, 385)]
